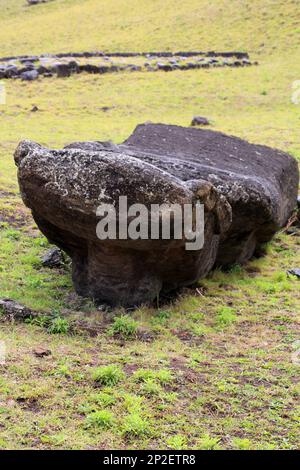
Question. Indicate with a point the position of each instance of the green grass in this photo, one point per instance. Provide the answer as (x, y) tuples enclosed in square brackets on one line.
[(142, 25), (136, 426), (217, 370), (100, 419), (225, 316), (58, 325), (108, 375), (124, 326)]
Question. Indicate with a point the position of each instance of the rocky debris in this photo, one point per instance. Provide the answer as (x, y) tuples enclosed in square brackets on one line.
[(27, 66), (15, 311), (148, 55), (255, 185), (41, 351), (144, 334), (29, 59), (294, 272), (65, 65), (200, 121), (133, 68), (8, 71), (106, 108), (53, 258), (293, 231), (73, 66), (37, 2), (91, 68), (42, 70), (29, 75), (62, 70), (164, 67)]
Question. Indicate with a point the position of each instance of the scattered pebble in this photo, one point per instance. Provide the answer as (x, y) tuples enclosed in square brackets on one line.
[(200, 121), (40, 351), (53, 258), (294, 272)]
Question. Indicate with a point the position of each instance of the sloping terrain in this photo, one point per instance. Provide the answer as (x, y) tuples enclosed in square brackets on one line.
[(225, 354), (120, 25)]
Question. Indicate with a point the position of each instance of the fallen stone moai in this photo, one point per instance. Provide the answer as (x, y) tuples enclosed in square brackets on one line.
[(248, 192)]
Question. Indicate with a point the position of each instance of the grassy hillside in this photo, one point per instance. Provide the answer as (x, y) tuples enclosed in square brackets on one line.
[(223, 355), (121, 25)]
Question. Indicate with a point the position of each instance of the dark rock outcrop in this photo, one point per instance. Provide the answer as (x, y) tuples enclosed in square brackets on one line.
[(158, 164), (200, 121)]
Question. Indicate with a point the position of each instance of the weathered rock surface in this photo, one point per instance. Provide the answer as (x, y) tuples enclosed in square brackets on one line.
[(13, 310), (62, 70), (64, 188), (53, 258), (200, 121), (8, 71), (294, 272), (29, 75), (157, 164), (260, 183)]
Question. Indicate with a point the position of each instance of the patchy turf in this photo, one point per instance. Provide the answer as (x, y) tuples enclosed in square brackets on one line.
[(223, 353)]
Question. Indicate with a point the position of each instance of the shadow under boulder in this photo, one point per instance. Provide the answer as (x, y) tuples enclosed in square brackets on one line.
[(247, 191)]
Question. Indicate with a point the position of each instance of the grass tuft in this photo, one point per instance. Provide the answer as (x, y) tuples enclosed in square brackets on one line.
[(136, 426), (124, 326), (108, 375), (100, 419)]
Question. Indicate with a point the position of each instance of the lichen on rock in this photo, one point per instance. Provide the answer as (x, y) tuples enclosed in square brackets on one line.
[(248, 192)]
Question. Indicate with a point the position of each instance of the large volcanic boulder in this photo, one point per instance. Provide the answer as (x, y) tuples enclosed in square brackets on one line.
[(260, 183), (64, 189), (255, 185)]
